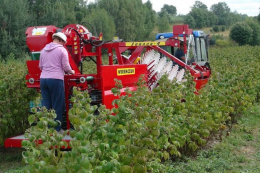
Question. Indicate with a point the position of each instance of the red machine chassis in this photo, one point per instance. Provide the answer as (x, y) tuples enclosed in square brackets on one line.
[(81, 45)]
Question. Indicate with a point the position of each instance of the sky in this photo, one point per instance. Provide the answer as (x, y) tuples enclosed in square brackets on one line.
[(249, 7)]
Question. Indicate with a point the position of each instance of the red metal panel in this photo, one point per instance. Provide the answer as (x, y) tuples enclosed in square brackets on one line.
[(33, 72), (109, 73), (200, 83), (33, 67), (73, 64), (181, 29), (108, 96), (16, 142), (38, 37)]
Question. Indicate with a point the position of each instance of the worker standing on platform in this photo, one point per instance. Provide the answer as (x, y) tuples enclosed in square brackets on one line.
[(53, 62)]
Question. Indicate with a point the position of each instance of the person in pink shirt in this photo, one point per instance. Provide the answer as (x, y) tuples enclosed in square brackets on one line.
[(53, 63)]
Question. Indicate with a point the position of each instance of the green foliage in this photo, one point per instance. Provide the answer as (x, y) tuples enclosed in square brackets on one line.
[(220, 9), (42, 157), (170, 9), (225, 16), (229, 154), (7, 42), (190, 21), (102, 23), (56, 12), (218, 28), (223, 28), (200, 5), (255, 40), (211, 19), (14, 19), (219, 14), (202, 18), (215, 28), (133, 19), (149, 128), (14, 98), (177, 19), (17, 15), (241, 33), (222, 43), (214, 38), (163, 23), (231, 69)]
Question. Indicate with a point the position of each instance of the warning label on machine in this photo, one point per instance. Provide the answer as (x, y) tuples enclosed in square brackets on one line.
[(148, 43), (39, 31), (125, 71)]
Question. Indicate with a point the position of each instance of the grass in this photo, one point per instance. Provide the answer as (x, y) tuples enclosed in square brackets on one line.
[(225, 33), (11, 160), (239, 152)]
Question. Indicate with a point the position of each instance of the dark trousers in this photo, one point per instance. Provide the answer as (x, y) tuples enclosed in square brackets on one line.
[(53, 97)]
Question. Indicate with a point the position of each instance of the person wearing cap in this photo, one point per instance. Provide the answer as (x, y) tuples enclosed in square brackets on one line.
[(53, 63)]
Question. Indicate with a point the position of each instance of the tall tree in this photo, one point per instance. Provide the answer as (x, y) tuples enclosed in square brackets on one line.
[(163, 23), (127, 30), (111, 6), (200, 5), (200, 17), (256, 32), (14, 19), (102, 22), (220, 8), (56, 12), (170, 9), (190, 21), (149, 19), (222, 11), (211, 19), (131, 17)]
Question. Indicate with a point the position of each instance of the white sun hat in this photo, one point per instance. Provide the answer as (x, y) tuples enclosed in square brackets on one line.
[(61, 36)]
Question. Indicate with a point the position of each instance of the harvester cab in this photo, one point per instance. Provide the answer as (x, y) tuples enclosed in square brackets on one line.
[(197, 47), (146, 58)]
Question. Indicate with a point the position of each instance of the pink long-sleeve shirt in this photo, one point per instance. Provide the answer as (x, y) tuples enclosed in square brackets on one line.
[(54, 61)]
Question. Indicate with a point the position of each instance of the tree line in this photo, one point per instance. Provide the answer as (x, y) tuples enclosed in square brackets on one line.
[(219, 14), (130, 20)]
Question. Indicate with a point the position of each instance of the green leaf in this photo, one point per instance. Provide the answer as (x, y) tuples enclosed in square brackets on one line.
[(31, 119)]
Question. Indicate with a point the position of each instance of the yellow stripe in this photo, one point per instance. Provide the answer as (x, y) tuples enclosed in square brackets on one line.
[(148, 43)]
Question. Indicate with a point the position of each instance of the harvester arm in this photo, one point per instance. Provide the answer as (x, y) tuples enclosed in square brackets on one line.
[(181, 63)]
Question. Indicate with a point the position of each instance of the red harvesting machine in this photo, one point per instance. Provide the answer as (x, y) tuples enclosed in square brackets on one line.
[(133, 59)]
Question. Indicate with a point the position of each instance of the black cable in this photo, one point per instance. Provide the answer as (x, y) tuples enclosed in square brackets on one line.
[(76, 32), (90, 26), (90, 58)]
